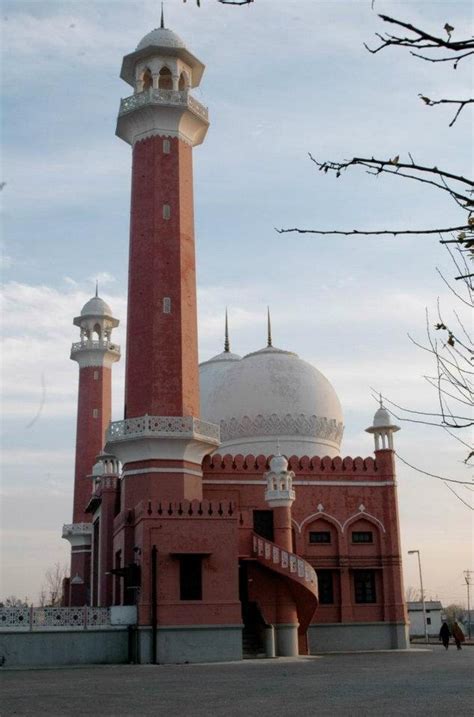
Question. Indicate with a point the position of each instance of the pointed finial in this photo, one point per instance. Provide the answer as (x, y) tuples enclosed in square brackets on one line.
[(269, 328), (162, 24), (380, 400), (226, 334), (96, 288), (278, 447)]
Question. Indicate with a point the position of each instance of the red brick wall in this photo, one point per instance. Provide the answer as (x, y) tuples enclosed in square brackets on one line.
[(90, 435), (162, 358)]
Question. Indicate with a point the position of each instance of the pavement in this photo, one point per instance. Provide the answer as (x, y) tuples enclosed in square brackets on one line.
[(422, 682)]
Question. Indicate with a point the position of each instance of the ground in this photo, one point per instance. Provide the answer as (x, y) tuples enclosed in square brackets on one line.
[(422, 682)]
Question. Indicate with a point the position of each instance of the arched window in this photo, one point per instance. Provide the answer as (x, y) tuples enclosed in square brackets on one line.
[(183, 81), (96, 333), (165, 80), (147, 79)]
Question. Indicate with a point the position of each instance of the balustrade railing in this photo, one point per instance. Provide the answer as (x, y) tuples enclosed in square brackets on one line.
[(177, 98), (64, 618), (280, 559), (86, 344), (176, 426)]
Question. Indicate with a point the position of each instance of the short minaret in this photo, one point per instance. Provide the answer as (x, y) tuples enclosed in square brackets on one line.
[(280, 496), (95, 353), (383, 429), (106, 479), (161, 442)]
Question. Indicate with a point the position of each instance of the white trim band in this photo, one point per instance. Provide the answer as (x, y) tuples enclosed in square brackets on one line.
[(139, 471), (347, 483)]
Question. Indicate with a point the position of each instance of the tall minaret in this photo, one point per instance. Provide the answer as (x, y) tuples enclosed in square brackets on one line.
[(162, 122), (95, 353)]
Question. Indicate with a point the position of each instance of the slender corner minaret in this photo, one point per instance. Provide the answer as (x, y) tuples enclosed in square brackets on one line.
[(95, 353), (161, 442), (280, 496), (383, 429)]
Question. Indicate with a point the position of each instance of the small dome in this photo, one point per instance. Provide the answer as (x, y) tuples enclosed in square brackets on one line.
[(224, 356), (96, 307), (382, 418), (278, 464), (161, 37)]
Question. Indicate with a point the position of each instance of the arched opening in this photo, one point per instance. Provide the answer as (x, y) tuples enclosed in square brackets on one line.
[(165, 80), (96, 334), (147, 79), (183, 81)]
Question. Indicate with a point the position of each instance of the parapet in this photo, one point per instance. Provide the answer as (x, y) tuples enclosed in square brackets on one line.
[(300, 465)]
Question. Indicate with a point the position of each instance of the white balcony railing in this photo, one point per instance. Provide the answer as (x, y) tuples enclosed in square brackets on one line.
[(88, 345), (170, 98), (163, 426)]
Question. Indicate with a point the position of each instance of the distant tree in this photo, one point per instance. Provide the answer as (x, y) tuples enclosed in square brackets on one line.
[(52, 588), (412, 594), (453, 613), (14, 601)]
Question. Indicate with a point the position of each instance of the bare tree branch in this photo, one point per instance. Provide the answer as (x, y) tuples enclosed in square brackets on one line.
[(433, 475), (461, 105), (362, 232)]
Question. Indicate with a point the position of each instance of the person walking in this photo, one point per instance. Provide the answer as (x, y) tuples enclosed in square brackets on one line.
[(458, 635), (444, 635)]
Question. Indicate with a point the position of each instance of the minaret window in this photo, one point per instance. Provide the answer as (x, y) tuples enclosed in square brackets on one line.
[(97, 332), (166, 146), (166, 211), (165, 81), (147, 79), (166, 305)]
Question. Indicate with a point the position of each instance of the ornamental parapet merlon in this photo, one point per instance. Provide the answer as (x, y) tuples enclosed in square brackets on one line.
[(326, 466), (163, 427), (166, 98)]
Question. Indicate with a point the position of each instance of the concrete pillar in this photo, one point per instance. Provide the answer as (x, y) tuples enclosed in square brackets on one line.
[(270, 641), (287, 640)]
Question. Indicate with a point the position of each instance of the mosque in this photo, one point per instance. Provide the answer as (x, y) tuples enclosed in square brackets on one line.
[(220, 505)]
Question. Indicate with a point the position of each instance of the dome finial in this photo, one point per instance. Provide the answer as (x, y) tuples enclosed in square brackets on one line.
[(380, 400), (96, 288), (162, 23), (269, 328), (226, 334)]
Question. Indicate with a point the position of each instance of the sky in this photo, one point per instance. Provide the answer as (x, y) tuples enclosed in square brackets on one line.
[(282, 79)]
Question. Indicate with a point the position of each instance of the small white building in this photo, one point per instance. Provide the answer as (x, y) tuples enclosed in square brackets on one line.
[(433, 618)]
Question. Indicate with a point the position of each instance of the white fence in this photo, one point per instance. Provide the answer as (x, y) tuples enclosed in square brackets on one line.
[(66, 618)]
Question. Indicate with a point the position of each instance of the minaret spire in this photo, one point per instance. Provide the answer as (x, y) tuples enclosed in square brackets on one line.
[(96, 288), (269, 328), (162, 23), (226, 334)]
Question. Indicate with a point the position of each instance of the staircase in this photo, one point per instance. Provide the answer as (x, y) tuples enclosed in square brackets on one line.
[(300, 576)]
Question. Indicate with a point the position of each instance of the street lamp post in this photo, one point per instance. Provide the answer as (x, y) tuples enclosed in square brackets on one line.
[(412, 552)]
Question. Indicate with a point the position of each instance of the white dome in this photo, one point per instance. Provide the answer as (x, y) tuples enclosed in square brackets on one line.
[(211, 372), (96, 307), (270, 397), (161, 37), (279, 464), (382, 418)]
